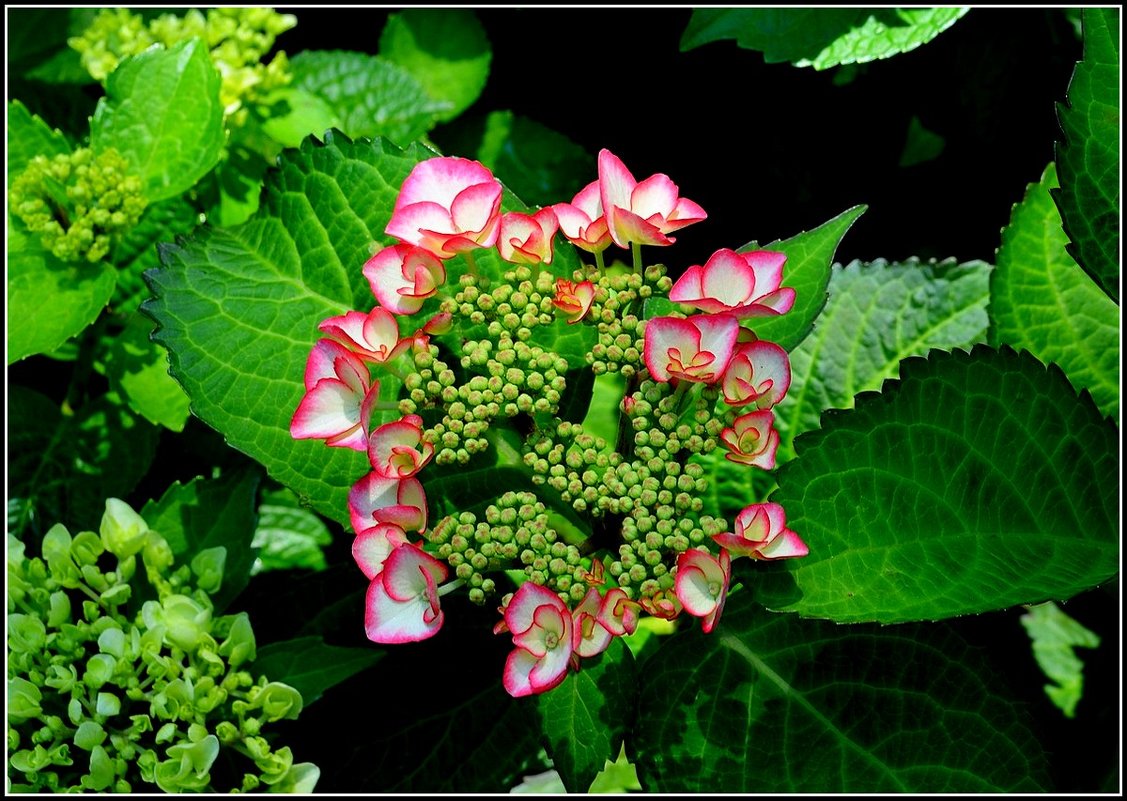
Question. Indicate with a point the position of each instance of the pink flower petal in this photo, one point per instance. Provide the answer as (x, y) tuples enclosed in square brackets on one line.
[(655, 195), (374, 545), (521, 611), (476, 212), (376, 498)]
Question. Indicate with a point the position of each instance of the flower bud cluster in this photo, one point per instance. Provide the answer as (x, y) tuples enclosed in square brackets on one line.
[(78, 203), (101, 698), (237, 37)]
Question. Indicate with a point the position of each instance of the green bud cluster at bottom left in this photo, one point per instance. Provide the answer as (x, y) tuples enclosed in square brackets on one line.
[(109, 696)]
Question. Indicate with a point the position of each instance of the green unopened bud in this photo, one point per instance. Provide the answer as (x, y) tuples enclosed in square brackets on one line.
[(23, 700), (208, 567), (101, 773), (89, 734), (99, 670), (86, 548), (123, 530), (187, 765), (185, 621), (108, 704), (26, 634), (157, 553), (279, 701), (239, 647)]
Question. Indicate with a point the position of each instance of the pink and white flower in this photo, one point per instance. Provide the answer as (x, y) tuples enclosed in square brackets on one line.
[(394, 448), (743, 284), (762, 533), (574, 298), (618, 614), (541, 626), (591, 636), (448, 205), (403, 276), (378, 499), (338, 400), (582, 220), (644, 212), (402, 601), (527, 238), (701, 584), (374, 336), (374, 545), (694, 349), (758, 373), (752, 439)]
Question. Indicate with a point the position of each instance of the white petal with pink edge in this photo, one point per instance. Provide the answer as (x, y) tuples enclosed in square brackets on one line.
[(374, 545)]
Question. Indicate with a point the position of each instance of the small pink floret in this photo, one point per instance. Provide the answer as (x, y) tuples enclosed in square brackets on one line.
[(574, 299), (403, 276), (402, 602), (643, 213), (701, 584), (397, 450), (374, 545), (752, 439), (759, 373), (527, 238), (743, 284), (337, 404), (372, 336), (762, 533), (694, 349), (582, 220), (541, 626), (377, 499)]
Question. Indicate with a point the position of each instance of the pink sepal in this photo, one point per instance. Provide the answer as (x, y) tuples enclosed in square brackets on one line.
[(752, 439), (693, 349), (591, 636), (338, 400), (403, 276), (618, 614), (372, 336), (582, 221), (402, 601), (762, 533), (377, 499), (541, 626)]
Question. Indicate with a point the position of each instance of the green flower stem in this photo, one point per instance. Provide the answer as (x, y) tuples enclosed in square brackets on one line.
[(599, 262), (636, 251), (471, 263)]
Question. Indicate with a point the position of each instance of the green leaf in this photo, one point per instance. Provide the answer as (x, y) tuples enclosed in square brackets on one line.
[(208, 513), (446, 51), (238, 309), (287, 535), (292, 114), (162, 113), (1042, 301), (137, 369), (65, 466), (34, 33), (807, 270), (774, 704), (368, 95), (1088, 155), (976, 482), (136, 251), (822, 37), (540, 165), (237, 186), (49, 301), (28, 137), (585, 718), (878, 314), (1054, 635), (311, 666)]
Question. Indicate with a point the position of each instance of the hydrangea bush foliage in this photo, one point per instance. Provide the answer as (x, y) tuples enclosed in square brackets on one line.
[(424, 457)]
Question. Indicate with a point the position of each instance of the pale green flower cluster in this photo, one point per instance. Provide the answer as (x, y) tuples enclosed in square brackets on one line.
[(237, 37), (78, 203), (100, 699)]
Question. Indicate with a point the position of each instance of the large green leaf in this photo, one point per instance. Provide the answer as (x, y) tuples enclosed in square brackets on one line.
[(28, 137), (878, 314), (774, 704), (807, 270), (64, 466), (1042, 301), (208, 513), (311, 666), (1088, 156), (162, 113), (976, 482), (238, 309), (49, 300), (287, 535), (820, 37), (137, 369), (445, 50), (586, 717), (369, 95)]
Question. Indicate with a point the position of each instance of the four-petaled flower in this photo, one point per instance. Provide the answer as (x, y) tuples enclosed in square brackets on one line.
[(582, 220), (448, 206), (377, 499), (752, 439), (743, 284), (762, 533), (758, 373), (642, 213), (402, 601), (701, 584), (374, 336), (339, 394), (574, 298), (541, 626), (696, 349), (393, 448), (403, 276), (527, 238)]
